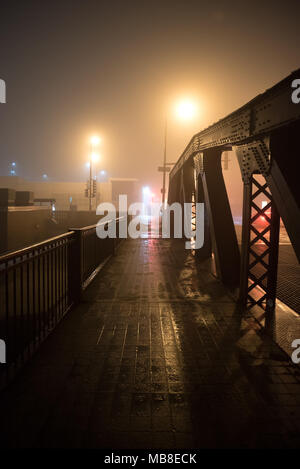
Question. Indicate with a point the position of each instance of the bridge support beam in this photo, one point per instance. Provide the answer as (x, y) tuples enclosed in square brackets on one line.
[(261, 228), (206, 250), (284, 181), (259, 258), (224, 240), (188, 190), (174, 196)]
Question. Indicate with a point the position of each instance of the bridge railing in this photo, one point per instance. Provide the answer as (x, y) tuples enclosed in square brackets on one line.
[(39, 285), (94, 251)]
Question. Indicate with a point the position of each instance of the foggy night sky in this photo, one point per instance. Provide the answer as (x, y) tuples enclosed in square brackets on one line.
[(74, 68)]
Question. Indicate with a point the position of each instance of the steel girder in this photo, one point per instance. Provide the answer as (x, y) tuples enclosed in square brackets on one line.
[(202, 179), (271, 158), (219, 217), (259, 117), (264, 133)]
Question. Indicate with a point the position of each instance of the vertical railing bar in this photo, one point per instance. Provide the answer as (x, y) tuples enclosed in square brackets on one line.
[(15, 311), (56, 282), (52, 288), (39, 294), (22, 305), (59, 280), (48, 290), (68, 252), (62, 277), (28, 300), (44, 292), (7, 338), (66, 244), (34, 301)]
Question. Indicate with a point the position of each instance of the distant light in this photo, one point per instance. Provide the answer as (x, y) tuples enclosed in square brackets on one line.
[(87, 164), (13, 172), (95, 140), (53, 208), (103, 173), (45, 176), (186, 109), (95, 157), (146, 190), (13, 164), (268, 212)]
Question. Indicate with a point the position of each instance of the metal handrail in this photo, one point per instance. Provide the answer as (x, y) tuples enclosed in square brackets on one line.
[(23, 251), (90, 227)]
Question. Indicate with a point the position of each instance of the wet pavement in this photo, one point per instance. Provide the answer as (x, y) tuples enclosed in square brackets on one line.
[(157, 355)]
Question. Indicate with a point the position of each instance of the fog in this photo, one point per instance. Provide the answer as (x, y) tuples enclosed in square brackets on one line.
[(74, 68)]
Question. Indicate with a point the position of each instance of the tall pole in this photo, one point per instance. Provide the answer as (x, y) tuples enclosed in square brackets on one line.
[(91, 188), (164, 165), (90, 194)]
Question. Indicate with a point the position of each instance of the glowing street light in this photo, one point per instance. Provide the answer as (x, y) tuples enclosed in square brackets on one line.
[(94, 157), (95, 140), (146, 190), (12, 170), (186, 109)]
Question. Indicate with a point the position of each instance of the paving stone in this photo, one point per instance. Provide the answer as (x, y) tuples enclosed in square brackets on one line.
[(157, 355)]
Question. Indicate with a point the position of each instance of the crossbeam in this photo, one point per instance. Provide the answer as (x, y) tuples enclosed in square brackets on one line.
[(268, 111)]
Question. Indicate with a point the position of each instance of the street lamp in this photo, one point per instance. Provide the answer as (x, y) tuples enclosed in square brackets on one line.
[(94, 141), (185, 110), (94, 157), (164, 164), (12, 171)]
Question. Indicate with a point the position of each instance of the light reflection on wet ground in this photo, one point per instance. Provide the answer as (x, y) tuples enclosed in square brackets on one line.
[(158, 355)]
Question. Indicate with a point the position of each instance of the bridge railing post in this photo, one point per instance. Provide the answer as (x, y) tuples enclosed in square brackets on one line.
[(75, 267)]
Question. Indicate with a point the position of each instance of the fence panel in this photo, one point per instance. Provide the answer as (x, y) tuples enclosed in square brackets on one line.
[(39, 284)]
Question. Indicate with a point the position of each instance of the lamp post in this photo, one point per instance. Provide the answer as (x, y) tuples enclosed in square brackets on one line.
[(94, 141), (164, 164), (185, 110)]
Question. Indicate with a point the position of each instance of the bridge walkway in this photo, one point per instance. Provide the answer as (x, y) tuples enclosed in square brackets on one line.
[(157, 355)]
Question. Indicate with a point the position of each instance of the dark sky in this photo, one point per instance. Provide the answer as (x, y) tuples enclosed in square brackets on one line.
[(74, 68)]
